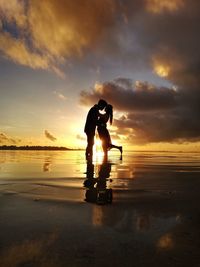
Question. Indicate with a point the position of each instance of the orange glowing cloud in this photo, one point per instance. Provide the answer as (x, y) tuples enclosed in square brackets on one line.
[(18, 51), (165, 63), (165, 242), (65, 28), (13, 11), (49, 32), (161, 69), (157, 6)]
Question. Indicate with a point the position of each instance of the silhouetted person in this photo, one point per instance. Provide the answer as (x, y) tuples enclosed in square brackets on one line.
[(103, 131), (90, 126)]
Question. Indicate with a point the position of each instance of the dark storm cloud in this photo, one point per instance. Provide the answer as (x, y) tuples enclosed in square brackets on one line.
[(49, 136), (170, 38), (151, 114), (126, 96), (159, 127)]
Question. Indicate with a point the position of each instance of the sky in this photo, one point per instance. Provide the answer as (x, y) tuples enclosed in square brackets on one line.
[(58, 58)]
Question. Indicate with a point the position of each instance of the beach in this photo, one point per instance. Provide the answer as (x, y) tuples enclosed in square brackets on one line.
[(153, 219)]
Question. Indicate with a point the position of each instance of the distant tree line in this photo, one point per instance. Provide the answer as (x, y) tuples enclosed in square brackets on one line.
[(4, 147)]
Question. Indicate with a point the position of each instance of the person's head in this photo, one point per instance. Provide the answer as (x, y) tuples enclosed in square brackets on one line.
[(109, 111), (102, 104)]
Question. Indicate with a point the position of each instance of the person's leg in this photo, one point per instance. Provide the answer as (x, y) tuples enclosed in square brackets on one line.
[(105, 148), (117, 147), (108, 143), (90, 143), (105, 151)]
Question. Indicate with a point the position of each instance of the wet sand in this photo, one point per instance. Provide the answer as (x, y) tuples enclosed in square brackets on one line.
[(153, 220)]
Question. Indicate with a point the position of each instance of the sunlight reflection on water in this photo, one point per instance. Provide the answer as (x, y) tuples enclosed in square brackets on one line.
[(68, 168)]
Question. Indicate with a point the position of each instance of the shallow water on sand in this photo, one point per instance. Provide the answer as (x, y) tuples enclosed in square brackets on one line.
[(150, 171), (153, 220)]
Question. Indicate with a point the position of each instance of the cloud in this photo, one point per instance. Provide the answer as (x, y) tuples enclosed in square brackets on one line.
[(135, 34), (67, 27), (60, 95), (13, 12), (169, 40), (18, 51), (126, 95), (4, 139), (158, 127), (163, 37), (43, 34), (80, 137), (157, 6), (151, 114), (49, 136), (158, 36)]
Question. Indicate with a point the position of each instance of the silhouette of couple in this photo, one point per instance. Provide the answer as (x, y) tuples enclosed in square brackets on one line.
[(99, 120)]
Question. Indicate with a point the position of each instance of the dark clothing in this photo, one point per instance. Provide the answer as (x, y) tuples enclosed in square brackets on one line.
[(91, 121), (103, 131), (104, 136), (90, 143), (90, 127)]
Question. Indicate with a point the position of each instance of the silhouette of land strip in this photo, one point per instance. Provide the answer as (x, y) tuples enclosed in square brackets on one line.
[(56, 148)]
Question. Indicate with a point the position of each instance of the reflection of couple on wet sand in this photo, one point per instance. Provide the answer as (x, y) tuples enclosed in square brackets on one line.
[(96, 188), (99, 120)]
